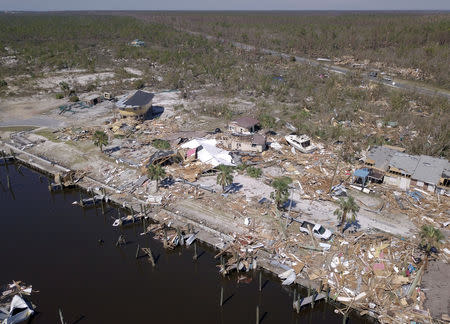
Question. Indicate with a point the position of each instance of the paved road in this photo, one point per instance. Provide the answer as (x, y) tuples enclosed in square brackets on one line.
[(397, 83)]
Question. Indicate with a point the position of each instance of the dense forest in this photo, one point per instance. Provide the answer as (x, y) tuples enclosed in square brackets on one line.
[(331, 108), (416, 41)]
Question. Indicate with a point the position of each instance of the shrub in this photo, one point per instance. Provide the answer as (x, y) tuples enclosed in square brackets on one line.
[(161, 144), (138, 84), (74, 99), (254, 172), (3, 83), (59, 96), (267, 121), (91, 87)]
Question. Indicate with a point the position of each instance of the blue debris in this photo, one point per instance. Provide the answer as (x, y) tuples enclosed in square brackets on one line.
[(417, 196)]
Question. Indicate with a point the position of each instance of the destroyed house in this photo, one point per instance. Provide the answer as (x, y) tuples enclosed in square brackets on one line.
[(445, 178), (247, 143), (379, 156), (400, 169), (403, 170), (429, 172), (136, 105), (244, 125), (92, 99)]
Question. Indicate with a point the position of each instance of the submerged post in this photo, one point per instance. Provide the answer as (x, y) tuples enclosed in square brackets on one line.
[(221, 296), (260, 281), (137, 252), (344, 319), (61, 316), (257, 314), (195, 251)]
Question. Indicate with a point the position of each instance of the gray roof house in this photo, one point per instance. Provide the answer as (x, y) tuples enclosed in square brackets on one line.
[(403, 163), (430, 169), (380, 156)]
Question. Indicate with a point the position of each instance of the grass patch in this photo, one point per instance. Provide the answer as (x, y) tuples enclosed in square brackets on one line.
[(17, 128)]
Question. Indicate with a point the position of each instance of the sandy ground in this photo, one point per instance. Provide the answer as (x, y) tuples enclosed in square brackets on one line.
[(436, 285)]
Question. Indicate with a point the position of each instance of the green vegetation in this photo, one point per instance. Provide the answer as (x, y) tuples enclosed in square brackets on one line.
[(74, 99), (267, 121), (59, 96), (3, 84), (254, 172), (224, 176), (156, 173), (406, 40), (17, 128), (430, 237), (64, 87), (100, 139), (281, 193), (346, 206), (345, 109), (161, 144), (139, 84)]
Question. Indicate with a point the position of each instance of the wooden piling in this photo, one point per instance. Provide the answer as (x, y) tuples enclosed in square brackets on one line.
[(61, 316), (257, 314), (195, 251), (221, 296), (260, 281), (344, 319), (137, 252), (165, 237), (149, 253)]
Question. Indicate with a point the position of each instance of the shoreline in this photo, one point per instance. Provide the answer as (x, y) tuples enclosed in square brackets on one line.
[(206, 235)]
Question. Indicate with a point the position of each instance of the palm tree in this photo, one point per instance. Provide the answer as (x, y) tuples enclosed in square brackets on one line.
[(156, 173), (281, 193), (64, 87), (430, 237), (346, 206), (100, 139), (224, 177)]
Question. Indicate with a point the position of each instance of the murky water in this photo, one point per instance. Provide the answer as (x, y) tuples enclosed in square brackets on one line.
[(47, 242)]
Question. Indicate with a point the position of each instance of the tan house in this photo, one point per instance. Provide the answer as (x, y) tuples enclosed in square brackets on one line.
[(246, 143), (244, 125), (135, 105)]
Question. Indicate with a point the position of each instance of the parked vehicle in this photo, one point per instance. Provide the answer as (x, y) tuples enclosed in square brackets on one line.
[(318, 230)]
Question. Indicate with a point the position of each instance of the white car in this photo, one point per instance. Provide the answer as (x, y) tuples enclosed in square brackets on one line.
[(318, 230)]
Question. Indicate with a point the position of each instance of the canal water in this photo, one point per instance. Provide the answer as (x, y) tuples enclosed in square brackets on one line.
[(53, 245)]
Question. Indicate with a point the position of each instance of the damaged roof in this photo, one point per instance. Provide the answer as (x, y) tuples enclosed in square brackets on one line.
[(381, 155), (159, 155), (246, 122), (259, 139), (429, 169), (140, 98), (404, 162)]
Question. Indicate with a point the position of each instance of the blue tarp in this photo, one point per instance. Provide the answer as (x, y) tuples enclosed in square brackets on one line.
[(361, 173)]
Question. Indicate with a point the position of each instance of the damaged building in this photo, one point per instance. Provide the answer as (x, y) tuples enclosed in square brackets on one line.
[(396, 168), (244, 125), (135, 105), (246, 143)]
